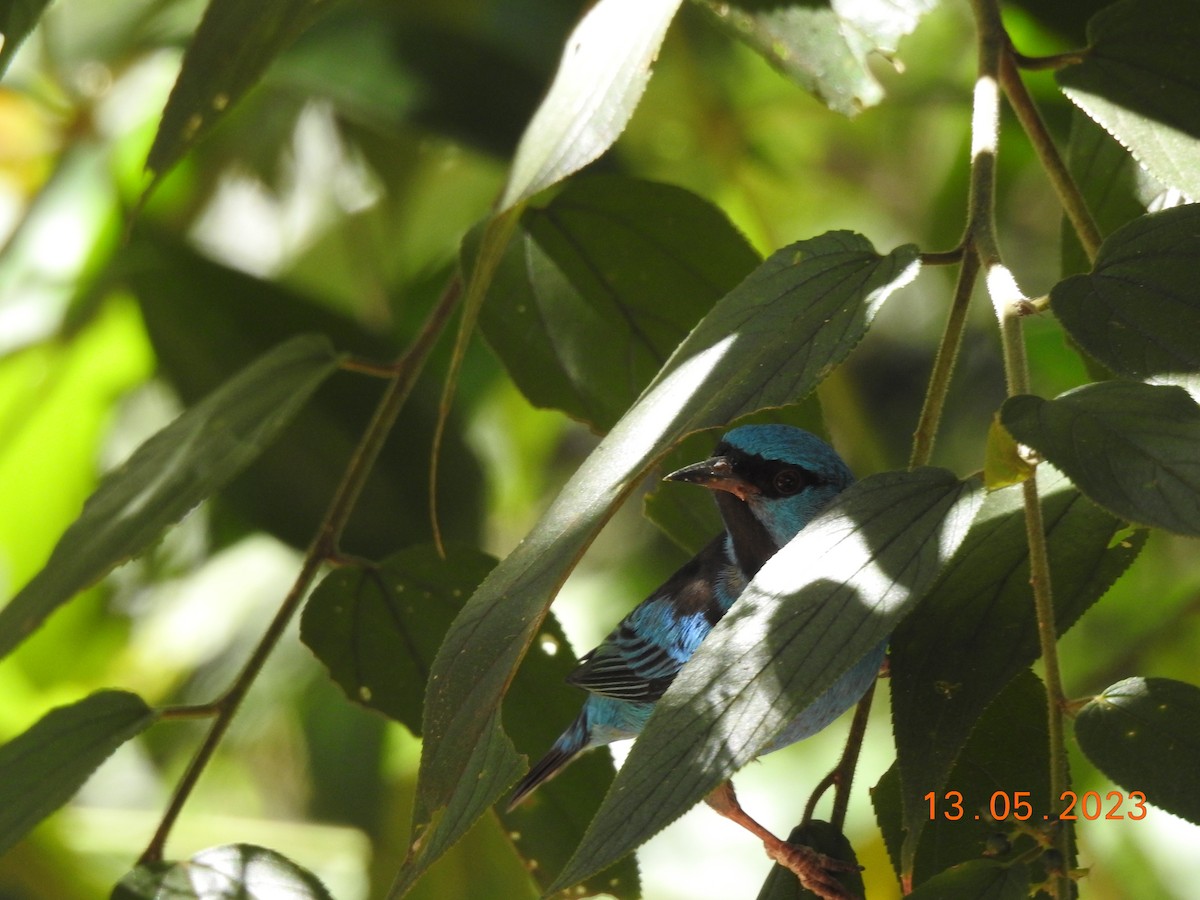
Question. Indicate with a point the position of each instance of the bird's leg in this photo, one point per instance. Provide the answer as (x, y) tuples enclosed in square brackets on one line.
[(815, 870)]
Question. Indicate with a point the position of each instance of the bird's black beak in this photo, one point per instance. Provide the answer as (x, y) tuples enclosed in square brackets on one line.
[(716, 474)]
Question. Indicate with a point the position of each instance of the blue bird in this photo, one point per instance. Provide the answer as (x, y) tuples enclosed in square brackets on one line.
[(769, 481)]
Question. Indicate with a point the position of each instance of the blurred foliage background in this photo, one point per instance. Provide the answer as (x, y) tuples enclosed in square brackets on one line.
[(333, 198)]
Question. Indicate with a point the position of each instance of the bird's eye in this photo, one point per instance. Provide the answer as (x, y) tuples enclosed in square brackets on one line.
[(787, 481)]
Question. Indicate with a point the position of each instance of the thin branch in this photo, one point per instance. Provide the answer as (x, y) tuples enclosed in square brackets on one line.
[(1060, 176), (1054, 61), (323, 546), (944, 257), (1010, 307), (943, 364)]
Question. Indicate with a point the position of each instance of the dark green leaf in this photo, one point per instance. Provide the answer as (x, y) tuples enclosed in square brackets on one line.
[(41, 769), (980, 879), (228, 872), (1130, 447), (231, 49), (1007, 753), (169, 474), (1140, 79), (1138, 310), (826, 48), (378, 629), (781, 884), (205, 320), (767, 343), (1144, 734), (814, 610), (601, 284), (17, 18), (604, 69), (976, 627)]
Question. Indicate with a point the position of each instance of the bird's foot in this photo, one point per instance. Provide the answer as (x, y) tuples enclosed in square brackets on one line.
[(816, 871)]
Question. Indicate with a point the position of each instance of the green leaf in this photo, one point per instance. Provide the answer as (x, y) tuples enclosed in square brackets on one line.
[(826, 48), (17, 19), (601, 284), (1144, 734), (377, 629), (604, 70), (814, 610), (241, 871), (1138, 310), (782, 884), (980, 879), (1140, 79), (949, 661), (1130, 447), (169, 474), (42, 768), (766, 343), (1111, 182), (494, 766), (232, 47)]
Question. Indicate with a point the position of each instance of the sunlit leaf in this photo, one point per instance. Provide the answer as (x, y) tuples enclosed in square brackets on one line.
[(1130, 447), (604, 69), (233, 871), (1110, 180), (17, 18), (169, 474), (601, 284), (826, 47), (1144, 734), (814, 612), (42, 768), (976, 628), (231, 49), (1138, 310), (1140, 79), (767, 343)]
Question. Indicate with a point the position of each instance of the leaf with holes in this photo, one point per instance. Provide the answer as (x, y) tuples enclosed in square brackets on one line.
[(768, 342), (1144, 734)]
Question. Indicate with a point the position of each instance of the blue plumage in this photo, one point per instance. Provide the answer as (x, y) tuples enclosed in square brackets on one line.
[(769, 481)]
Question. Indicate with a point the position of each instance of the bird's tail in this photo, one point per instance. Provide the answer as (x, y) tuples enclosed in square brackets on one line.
[(569, 745)]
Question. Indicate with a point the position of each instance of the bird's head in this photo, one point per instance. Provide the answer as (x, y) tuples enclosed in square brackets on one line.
[(781, 475)]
